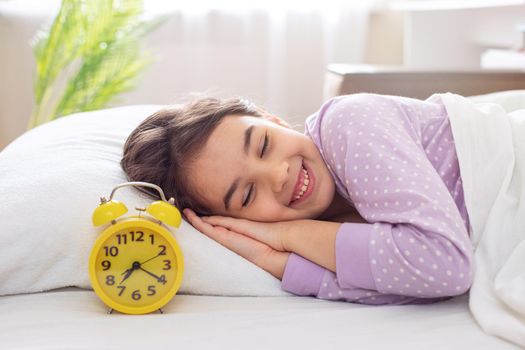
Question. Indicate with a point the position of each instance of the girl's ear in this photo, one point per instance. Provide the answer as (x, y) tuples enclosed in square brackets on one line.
[(273, 118), (277, 120)]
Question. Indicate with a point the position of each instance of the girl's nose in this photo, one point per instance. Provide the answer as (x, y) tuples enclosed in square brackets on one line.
[(279, 174)]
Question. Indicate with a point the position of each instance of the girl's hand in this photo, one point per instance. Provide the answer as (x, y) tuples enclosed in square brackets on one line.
[(272, 234), (260, 243)]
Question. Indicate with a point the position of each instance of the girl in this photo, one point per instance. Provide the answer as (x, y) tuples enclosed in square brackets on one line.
[(366, 206)]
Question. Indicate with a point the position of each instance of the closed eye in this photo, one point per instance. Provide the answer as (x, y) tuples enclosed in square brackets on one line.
[(265, 145), (247, 197)]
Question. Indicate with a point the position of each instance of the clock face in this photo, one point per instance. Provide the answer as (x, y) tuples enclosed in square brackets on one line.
[(136, 267)]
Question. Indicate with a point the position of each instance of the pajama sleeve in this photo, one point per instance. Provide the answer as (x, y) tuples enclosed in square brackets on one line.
[(415, 243)]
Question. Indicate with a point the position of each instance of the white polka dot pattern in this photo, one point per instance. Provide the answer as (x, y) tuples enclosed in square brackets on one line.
[(394, 159)]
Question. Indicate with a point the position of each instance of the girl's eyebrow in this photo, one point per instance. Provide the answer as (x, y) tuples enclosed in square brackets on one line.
[(247, 141), (248, 138), (229, 194)]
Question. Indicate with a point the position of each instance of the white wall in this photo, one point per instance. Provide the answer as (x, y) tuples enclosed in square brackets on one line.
[(455, 38), (276, 57)]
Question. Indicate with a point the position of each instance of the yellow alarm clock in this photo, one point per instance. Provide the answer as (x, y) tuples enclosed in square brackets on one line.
[(136, 265)]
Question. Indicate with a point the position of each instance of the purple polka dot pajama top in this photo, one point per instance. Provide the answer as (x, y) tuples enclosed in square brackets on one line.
[(392, 158)]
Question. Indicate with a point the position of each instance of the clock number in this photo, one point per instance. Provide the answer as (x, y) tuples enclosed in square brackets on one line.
[(162, 279), (139, 238), (110, 280), (162, 249), (167, 264), (113, 251), (122, 239), (136, 295), (122, 290), (151, 290), (106, 265), (152, 239)]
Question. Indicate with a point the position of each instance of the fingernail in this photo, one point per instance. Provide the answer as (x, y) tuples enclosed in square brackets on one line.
[(187, 212)]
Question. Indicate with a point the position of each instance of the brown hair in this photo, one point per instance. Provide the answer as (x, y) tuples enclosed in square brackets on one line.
[(160, 149)]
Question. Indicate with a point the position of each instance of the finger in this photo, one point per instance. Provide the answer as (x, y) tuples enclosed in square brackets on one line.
[(246, 227), (186, 212), (263, 232), (193, 218), (196, 222), (238, 225), (262, 255), (245, 246)]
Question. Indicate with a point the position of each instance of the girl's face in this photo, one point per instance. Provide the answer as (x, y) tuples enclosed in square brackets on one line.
[(253, 168)]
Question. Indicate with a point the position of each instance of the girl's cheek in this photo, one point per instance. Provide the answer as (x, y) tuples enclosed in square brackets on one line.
[(272, 212)]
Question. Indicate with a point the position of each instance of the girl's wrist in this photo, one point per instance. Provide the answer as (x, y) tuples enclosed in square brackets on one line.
[(314, 240), (289, 232), (282, 261)]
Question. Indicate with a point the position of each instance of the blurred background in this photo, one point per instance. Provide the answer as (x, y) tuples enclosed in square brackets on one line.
[(275, 53)]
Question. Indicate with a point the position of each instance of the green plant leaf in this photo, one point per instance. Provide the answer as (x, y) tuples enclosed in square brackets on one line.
[(88, 55)]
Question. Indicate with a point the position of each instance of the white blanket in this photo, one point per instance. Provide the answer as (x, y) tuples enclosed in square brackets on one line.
[(490, 145)]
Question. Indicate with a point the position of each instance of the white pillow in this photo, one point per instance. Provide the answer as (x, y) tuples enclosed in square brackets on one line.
[(510, 100), (51, 180)]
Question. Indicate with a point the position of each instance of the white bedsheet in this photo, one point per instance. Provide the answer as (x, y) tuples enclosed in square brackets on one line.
[(72, 319)]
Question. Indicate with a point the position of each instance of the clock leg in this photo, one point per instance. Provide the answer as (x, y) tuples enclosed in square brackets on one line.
[(110, 311), (160, 310)]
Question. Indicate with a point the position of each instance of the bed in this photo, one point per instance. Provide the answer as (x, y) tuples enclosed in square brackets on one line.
[(74, 319), (41, 309)]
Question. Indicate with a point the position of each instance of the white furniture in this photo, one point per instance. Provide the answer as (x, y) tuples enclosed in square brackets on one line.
[(449, 34), (342, 79)]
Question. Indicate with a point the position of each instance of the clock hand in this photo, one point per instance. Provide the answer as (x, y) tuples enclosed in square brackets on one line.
[(150, 259), (149, 273), (128, 272)]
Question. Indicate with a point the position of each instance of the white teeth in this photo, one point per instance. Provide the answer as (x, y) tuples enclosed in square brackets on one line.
[(306, 181)]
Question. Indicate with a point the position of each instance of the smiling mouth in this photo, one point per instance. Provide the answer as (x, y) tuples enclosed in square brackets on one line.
[(302, 185)]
